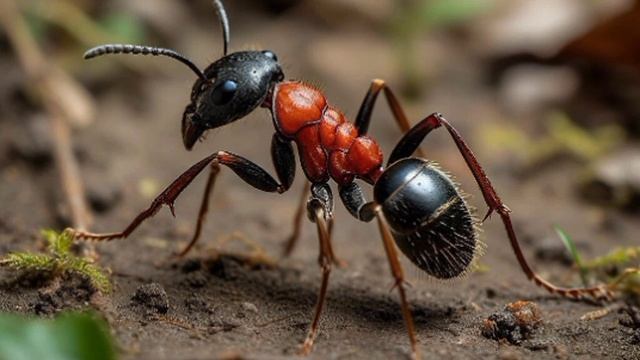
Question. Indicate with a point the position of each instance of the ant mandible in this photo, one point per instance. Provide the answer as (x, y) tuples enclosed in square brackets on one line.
[(417, 207)]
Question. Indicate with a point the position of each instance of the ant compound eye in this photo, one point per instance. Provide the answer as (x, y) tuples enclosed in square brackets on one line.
[(270, 54), (224, 92)]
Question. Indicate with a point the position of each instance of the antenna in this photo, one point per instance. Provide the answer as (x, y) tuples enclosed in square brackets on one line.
[(142, 50), (224, 23)]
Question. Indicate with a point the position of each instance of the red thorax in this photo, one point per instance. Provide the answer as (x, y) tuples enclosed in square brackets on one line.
[(328, 144)]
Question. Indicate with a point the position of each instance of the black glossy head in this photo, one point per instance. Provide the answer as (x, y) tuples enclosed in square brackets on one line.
[(236, 85), (227, 90), (430, 221)]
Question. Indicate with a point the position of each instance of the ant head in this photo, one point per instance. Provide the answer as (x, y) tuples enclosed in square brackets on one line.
[(236, 85), (226, 91)]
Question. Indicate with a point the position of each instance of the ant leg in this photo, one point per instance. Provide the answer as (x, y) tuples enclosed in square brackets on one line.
[(248, 171), (353, 199), (204, 207), (337, 261), (411, 141), (363, 119), (297, 226), (355, 202), (297, 222), (284, 162), (319, 211), (398, 275)]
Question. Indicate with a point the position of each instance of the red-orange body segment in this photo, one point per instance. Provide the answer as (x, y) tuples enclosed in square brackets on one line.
[(328, 144)]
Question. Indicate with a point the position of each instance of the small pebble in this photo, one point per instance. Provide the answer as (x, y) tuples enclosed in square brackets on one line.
[(249, 307), (153, 297), (515, 323)]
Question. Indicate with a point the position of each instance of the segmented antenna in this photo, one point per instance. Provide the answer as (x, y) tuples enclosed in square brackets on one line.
[(142, 50), (224, 23)]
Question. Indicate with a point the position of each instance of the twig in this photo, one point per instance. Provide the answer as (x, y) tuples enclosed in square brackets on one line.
[(65, 101), (600, 313), (70, 174)]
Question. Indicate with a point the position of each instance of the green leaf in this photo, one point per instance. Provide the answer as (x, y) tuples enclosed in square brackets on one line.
[(442, 13), (30, 261), (79, 336), (59, 244), (60, 260), (51, 236), (37, 26), (571, 247), (95, 274), (616, 257)]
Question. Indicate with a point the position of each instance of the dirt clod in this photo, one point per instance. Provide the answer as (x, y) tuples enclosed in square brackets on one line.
[(515, 323), (225, 267), (70, 292), (153, 297), (633, 318)]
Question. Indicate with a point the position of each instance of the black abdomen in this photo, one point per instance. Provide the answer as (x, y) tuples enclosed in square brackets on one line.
[(429, 219)]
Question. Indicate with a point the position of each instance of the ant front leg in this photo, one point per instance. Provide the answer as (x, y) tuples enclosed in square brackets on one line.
[(204, 208), (248, 171), (320, 211), (408, 144), (283, 161)]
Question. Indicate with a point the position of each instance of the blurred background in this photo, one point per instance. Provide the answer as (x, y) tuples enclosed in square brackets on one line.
[(547, 92)]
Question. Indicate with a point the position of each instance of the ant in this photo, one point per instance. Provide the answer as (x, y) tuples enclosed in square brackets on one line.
[(417, 206)]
